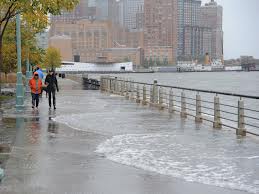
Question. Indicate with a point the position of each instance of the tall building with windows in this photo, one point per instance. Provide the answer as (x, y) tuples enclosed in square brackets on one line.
[(160, 26), (80, 12), (102, 9), (110, 10), (140, 17), (197, 42), (115, 12), (188, 17), (131, 11), (211, 17), (199, 30)]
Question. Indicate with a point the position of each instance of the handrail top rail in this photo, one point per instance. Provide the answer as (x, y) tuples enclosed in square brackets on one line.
[(191, 89)]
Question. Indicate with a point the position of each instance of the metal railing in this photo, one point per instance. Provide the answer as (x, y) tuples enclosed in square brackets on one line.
[(189, 102)]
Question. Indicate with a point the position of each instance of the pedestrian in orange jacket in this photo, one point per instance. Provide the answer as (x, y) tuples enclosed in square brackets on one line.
[(36, 86)]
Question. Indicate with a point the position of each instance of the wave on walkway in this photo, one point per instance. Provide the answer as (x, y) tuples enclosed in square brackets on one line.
[(167, 154)]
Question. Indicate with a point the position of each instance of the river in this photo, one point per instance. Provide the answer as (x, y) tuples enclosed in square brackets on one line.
[(235, 82)]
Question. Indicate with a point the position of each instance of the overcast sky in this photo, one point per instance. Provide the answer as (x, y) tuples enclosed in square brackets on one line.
[(241, 27)]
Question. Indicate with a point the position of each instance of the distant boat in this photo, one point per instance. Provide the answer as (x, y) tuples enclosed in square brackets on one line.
[(190, 66), (186, 66), (217, 65)]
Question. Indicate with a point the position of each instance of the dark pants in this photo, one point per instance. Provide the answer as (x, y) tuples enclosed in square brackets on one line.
[(35, 99), (52, 93)]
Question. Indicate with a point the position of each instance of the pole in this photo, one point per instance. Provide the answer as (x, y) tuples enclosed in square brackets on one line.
[(171, 101), (198, 117), (217, 119), (19, 84), (27, 72), (183, 105), (241, 119)]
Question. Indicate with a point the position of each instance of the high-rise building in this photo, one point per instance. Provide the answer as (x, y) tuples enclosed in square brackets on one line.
[(115, 12), (80, 12), (110, 10), (160, 25), (102, 9), (131, 11), (199, 30), (188, 17), (140, 18), (197, 42), (211, 17)]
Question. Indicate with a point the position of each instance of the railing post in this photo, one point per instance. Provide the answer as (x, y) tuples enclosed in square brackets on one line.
[(144, 101), (241, 119), (155, 93), (121, 88), (132, 90), (217, 120), (198, 117), (116, 85), (151, 98), (138, 95), (107, 84), (103, 84), (161, 98), (171, 101), (110, 85), (183, 106), (127, 90)]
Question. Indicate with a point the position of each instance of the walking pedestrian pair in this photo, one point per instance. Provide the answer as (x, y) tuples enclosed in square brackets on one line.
[(51, 87)]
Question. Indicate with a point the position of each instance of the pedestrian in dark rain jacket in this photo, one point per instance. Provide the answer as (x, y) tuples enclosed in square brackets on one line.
[(52, 87)]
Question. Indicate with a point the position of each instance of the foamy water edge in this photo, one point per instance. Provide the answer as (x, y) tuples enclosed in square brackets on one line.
[(114, 153)]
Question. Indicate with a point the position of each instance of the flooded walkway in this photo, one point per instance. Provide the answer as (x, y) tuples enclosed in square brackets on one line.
[(96, 143)]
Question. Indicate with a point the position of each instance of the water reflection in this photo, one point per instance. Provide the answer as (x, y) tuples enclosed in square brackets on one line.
[(34, 133), (20, 131), (52, 129)]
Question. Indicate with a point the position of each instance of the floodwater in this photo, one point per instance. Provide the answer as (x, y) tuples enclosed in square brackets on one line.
[(95, 140), (197, 156)]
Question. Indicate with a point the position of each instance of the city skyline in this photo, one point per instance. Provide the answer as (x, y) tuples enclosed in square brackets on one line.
[(199, 28), (240, 31)]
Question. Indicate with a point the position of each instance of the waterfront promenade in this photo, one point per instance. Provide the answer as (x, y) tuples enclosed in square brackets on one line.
[(95, 143)]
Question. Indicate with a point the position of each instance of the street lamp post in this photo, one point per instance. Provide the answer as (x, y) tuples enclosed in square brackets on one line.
[(28, 72), (19, 84)]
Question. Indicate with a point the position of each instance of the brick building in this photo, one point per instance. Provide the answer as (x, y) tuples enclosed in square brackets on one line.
[(160, 26), (88, 37)]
